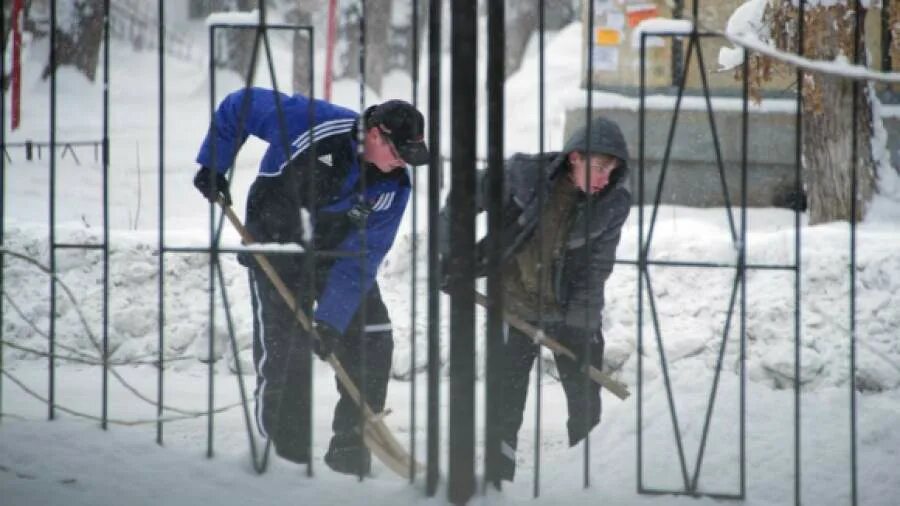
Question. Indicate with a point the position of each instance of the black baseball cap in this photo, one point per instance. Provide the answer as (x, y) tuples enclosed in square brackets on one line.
[(404, 125)]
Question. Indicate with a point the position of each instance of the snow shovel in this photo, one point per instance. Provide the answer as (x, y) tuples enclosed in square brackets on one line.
[(377, 436), (617, 388)]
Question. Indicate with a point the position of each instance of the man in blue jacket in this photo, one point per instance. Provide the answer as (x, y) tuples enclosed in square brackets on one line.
[(340, 192)]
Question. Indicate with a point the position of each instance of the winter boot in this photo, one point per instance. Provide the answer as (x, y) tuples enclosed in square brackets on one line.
[(348, 455)]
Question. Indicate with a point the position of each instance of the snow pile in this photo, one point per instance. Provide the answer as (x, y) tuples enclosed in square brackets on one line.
[(692, 303)]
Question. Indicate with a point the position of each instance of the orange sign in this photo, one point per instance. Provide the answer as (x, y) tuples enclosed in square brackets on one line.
[(637, 15), (607, 37)]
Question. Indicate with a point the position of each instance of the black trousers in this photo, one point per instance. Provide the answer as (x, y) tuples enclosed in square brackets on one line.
[(283, 358), (582, 395)]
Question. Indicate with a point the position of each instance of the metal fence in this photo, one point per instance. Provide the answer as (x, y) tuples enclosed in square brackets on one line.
[(461, 452)]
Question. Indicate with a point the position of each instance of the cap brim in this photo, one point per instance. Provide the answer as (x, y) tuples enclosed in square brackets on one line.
[(414, 153)]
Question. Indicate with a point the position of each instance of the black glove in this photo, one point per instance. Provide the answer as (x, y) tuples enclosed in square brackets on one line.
[(328, 336), (202, 182)]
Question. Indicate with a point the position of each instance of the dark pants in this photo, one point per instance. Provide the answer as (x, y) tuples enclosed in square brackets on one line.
[(281, 352), (582, 394)]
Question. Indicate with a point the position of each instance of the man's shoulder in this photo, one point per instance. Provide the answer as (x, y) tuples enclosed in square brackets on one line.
[(326, 111)]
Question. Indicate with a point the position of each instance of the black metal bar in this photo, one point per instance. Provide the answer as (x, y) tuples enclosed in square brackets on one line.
[(798, 161), (698, 465), (32, 144), (161, 314), (715, 133), (539, 369), (105, 162), (669, 141), (586, 348), (676, 427), (494, 203), (717, 265), (363, 244), (713, 495), (854, 189), (51, 397), (641, 262), (742, 270), (699, 34), (264, 26), (414, 250), (461, 484), (259, 467), (242, 249), (78, 246), (309, 263), (432, 472), (216, 228), (212, 250), (3, 159)]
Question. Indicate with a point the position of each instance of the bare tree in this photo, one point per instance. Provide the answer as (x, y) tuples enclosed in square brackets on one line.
[(78, 35), (827, 106), (300, 12), (378, 17)]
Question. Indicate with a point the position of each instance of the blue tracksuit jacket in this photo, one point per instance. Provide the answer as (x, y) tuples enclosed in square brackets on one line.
[(312, 143)]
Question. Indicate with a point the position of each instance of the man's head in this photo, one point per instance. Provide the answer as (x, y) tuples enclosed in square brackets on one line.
[(394, 135), (597, 161), (591, 174)]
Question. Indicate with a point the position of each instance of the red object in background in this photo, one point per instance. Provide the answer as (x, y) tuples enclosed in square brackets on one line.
[(16, 76), (329, 47), (639, 13)]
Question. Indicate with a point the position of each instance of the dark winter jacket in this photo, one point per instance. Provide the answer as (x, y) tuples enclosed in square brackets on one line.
[(286, 194), (580, 296)]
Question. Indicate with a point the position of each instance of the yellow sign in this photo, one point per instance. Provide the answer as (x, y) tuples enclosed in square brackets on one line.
[(605, 36)]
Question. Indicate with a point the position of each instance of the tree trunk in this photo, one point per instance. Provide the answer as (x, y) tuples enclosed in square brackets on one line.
[(300, 14), (240, 42), (828, 111), (827, 151), (378, 17), (79, 43)]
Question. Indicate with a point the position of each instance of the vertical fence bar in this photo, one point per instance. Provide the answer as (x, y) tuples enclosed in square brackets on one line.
[(798, 160), (161, 311), (414, 249), (539, 370), (854, 188), (434, 274), (462, 230), (641, 263), (745, 137), (2, 196), (51, 397), (363, 243), (494, 203), (105, 161), (309, 260), (213, 258), (586, 348)]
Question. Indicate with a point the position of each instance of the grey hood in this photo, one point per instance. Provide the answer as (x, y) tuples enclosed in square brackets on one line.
[(605, 138)]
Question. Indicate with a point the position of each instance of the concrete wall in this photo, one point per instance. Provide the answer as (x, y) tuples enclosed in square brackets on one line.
[(693, 177)]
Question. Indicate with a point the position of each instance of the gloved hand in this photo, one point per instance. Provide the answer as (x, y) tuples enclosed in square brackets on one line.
[(575, 338), (328, 336), (202, 182)]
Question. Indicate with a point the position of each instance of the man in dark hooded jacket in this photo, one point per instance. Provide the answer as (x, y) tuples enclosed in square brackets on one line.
[(572, 229)]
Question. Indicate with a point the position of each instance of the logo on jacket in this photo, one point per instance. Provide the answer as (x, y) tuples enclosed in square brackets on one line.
[(383, 201)]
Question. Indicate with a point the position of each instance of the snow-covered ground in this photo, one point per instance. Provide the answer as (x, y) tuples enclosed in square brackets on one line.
[(70, 461)]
